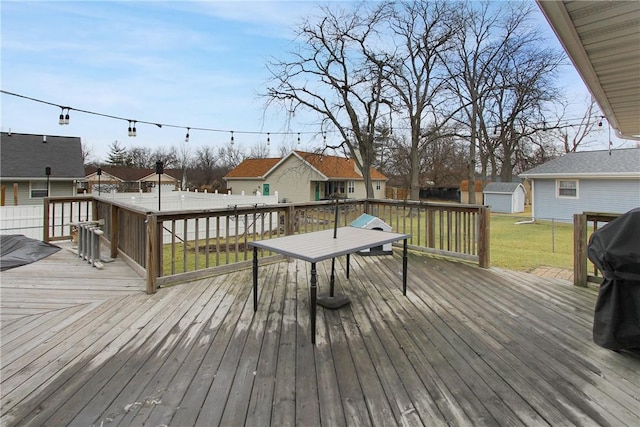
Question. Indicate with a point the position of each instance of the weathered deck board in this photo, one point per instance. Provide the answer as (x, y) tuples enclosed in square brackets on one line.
[(465, 346)]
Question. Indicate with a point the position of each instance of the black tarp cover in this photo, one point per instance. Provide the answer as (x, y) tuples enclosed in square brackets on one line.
[(17, 250), (615, 250)]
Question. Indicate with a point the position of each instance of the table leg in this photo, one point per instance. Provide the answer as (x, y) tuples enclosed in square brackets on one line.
[(404, 267), (312, 309), (332, 280), (255, 279), (348, 261)]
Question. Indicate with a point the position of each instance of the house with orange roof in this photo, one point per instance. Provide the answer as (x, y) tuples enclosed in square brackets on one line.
[(302, 177)]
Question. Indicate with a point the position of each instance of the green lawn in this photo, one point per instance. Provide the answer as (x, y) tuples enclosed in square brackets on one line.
[(526, 246), (514, 246)]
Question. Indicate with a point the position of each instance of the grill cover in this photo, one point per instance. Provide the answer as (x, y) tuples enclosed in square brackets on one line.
[(615, 250)]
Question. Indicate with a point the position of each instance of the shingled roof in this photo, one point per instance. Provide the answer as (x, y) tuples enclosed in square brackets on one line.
[(27, 156), (332, 167), (502, 187), (253, 168), (615, 163)]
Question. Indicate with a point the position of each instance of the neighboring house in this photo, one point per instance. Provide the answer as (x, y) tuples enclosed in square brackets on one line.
[(588, 181), (303, 177), (124, 179), (504, 197), (24, 162)]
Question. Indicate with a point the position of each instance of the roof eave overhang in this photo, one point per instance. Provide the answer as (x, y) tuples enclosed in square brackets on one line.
[(563, 26), (622, 175), (244, 178)]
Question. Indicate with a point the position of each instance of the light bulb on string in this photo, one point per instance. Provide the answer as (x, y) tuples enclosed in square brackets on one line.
[(186, 137), (61, 120), (268, 139), (66, 117), (298, 138), (133, 131), (232, 141), (129, 131)]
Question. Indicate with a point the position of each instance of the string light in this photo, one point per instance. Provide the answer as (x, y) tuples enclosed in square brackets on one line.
[(132, 130), (64, 119), (186, 138), (268, 138)]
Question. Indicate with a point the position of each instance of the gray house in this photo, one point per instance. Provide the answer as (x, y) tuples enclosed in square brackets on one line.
[(504, 197), (25, 161), (588, 181)]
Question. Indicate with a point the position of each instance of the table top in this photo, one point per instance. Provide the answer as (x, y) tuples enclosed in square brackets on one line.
[(320, 245)]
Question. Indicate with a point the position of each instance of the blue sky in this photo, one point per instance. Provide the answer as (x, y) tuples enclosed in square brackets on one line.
[(192, 64)]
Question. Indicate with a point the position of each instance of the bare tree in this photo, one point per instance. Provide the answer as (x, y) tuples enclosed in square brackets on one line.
[(590, 122), (168, 156), (183, 154), (204, 165), (87, 153), (140, 157), (503, 76), (424, 34), (472, 68), (260, 150), (337, 74), (230, 156)]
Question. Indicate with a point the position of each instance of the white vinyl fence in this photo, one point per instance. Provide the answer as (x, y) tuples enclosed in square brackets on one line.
[(26, 220)]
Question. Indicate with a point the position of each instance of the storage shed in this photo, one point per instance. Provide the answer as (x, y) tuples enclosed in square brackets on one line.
[(504, 197), (371, 222)]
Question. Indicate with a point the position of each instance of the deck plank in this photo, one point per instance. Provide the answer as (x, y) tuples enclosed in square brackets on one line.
[(465, 346)]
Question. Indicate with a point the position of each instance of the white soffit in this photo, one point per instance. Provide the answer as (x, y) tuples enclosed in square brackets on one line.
[(602, 38)]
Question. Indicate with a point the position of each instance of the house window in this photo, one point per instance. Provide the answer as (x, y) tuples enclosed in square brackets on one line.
[(351, 186), (567, 188), (377, 185), (38, 189)]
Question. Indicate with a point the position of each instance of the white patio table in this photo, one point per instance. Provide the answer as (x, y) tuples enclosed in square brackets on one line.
[(322, 245)]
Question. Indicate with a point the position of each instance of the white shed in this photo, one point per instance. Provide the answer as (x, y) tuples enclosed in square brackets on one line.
[(504, 197), (371, 222)]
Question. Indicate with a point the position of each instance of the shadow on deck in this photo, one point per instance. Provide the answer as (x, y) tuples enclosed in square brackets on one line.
[(466, 346)]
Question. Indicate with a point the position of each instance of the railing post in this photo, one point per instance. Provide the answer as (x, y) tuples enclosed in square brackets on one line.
[(94, 209), (289, 220), (113, 233), (152, 249), (484, 237), (580, 250), (431, 228), (45, 231)]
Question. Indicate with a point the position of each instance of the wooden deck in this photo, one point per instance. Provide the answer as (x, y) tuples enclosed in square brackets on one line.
[(466, 346)]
